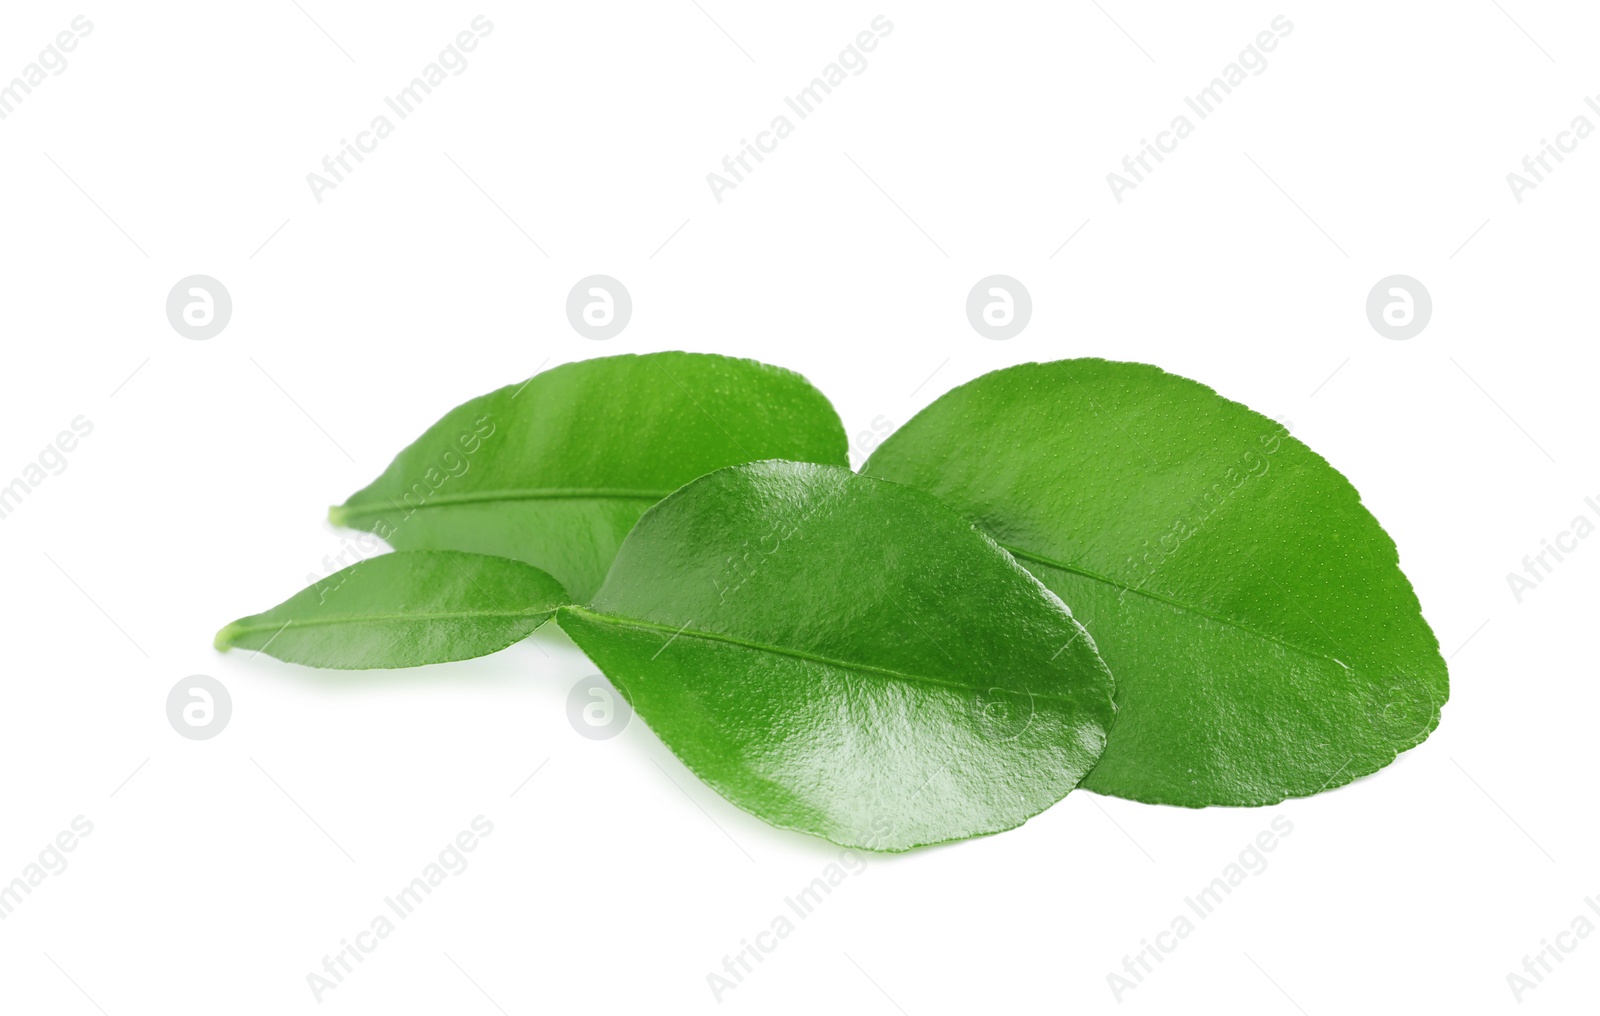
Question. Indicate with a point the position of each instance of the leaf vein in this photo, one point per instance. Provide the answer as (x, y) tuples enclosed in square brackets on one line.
[(1180, 605), (239, 628), (799, 654), (354, 509)]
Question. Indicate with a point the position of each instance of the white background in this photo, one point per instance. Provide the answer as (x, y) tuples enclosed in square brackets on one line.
[(977, 140)]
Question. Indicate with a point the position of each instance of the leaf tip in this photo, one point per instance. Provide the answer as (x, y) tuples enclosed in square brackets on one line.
[(339, 514), (224, 638)]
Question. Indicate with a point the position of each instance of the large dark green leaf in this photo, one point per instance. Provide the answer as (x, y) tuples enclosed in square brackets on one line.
[(555, 470), (847, 657), (403, 610), (1265, 642)]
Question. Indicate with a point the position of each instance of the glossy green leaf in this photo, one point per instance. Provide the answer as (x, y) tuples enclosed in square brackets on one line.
[(847, 657), (1265, 642), (555, 470), (403, 610)]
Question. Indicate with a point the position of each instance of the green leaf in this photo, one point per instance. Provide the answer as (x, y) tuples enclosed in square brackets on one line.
[(555, 470), (847, 657), (1265, 642), (403, 610)]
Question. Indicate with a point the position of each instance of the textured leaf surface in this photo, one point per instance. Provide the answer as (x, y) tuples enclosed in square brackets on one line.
[(1265, 642), (554, 471), (403, 610), (847, 657)]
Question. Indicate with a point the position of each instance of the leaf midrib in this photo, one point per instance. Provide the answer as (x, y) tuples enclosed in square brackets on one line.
[(1226, 622), (354, 508), (799, 654), (251, 628)]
